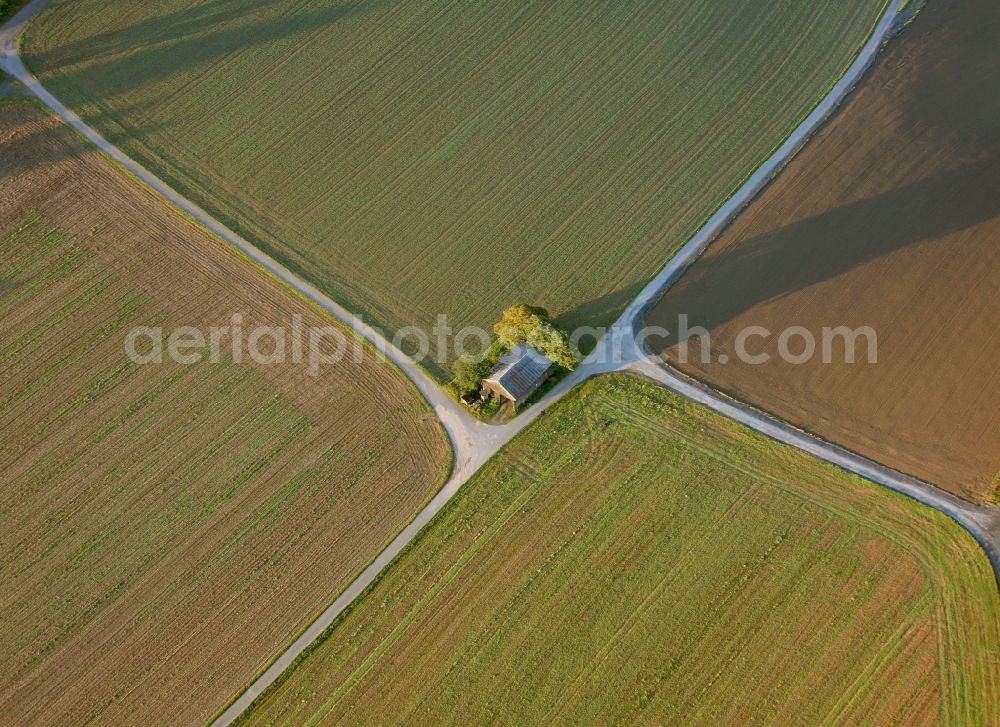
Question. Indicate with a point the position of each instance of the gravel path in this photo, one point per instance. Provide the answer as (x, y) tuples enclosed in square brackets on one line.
[(474, 441)]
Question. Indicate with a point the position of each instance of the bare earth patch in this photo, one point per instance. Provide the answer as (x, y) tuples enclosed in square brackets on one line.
[(890, 219)]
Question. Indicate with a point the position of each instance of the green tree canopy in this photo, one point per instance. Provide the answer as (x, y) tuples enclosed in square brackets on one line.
[(524, 324), (469, 374)]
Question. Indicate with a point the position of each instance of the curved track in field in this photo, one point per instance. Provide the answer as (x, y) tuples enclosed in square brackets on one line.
[(621, 349)]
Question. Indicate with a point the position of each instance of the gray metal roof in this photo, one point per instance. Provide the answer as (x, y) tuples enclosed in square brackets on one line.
[(521, 371)]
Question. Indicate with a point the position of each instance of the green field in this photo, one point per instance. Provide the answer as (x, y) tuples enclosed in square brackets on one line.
[(635, 558), (417, 158)]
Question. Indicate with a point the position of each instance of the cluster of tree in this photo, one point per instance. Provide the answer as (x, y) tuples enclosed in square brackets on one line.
[(518, 324), (524, 324), (469, 374)]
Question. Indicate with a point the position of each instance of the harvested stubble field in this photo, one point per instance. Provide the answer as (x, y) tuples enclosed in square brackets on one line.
[(166, 529), (890, 218), (633, 558), (415, 159)]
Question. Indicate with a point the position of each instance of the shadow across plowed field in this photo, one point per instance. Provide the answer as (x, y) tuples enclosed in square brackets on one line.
[(835, 242)]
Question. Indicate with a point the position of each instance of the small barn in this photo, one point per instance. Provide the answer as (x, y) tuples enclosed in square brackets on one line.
[(518, 375)]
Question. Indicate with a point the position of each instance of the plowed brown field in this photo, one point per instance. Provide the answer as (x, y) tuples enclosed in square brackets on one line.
[(166, 529), (890, 218)]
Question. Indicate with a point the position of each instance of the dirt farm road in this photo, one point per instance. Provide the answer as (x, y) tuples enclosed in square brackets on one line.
[(621, 349)]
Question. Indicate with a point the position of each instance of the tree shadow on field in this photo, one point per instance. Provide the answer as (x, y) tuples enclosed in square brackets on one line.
[(938, 89), (722, 286), (27, 146), (21, 143), (601, 311), (119, 61)]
